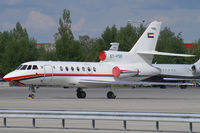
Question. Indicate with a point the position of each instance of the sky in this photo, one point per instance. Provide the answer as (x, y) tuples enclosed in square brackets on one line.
[(91, 17)]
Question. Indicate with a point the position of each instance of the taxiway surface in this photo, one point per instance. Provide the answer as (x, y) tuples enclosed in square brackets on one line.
[(128, 99)]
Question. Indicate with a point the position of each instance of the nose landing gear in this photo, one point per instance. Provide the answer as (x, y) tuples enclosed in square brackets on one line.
[(32, 93)]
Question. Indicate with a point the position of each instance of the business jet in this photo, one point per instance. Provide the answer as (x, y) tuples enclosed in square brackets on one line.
[(178, 72), (116, 68)]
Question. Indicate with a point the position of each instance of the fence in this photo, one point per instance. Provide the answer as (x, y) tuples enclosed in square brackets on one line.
[(100, 115)]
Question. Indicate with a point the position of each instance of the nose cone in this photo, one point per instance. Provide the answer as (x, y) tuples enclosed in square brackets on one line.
[(8, 77)]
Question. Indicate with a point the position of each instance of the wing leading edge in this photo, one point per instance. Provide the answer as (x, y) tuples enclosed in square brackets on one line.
[(129, 83)]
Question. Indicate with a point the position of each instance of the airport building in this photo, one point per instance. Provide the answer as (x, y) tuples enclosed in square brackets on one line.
[(191, 45), (47, 46)]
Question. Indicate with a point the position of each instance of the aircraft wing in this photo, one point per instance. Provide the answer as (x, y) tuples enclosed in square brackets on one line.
[(128, 83), (182, 79), (191, 80)]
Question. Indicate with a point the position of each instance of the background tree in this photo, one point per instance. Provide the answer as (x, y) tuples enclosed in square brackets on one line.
[(64, 26), (127, 37), (108, 36), (89, 48), (18, 48), (169, 42), (67, 49)]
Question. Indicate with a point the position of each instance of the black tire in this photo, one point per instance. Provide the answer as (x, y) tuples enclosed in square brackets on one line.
[(162, 87), (79, 90), (111, 95), (81, 94), (183, 86)]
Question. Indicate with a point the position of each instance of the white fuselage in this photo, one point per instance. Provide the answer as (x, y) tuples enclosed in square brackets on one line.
[(176, 70), (69, 74)]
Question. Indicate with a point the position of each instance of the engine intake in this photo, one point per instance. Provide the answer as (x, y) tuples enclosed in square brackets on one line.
[(123, 73), (193, 68)]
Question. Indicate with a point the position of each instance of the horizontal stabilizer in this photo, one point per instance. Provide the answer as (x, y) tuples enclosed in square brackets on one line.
[(163, 53)]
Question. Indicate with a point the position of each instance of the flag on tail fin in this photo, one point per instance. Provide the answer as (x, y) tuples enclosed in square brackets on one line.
[(150, 35)]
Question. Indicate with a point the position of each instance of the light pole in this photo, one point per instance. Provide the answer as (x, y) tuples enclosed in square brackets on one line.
[(138, 23)]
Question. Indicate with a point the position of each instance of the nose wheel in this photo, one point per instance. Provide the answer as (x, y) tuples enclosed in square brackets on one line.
[(31, 96), (80, 93), (32, 92)]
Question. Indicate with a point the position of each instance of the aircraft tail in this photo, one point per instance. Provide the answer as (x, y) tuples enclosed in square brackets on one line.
[(146, 45), (148, 40)]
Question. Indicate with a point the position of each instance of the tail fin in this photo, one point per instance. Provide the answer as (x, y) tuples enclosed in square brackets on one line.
[(148, 40), (145, 46)]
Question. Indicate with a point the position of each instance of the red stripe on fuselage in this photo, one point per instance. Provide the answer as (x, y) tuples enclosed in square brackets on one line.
[(52, 74)]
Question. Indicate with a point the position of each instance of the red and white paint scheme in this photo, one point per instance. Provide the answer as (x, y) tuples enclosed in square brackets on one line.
[(115, 68)]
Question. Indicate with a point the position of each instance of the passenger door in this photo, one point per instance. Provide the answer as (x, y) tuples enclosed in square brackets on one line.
[(48, 74)]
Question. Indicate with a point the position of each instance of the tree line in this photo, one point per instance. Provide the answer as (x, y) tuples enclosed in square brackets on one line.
[(17, 47)]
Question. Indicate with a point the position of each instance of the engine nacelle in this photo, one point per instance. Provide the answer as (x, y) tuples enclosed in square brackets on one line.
[(114, 56), (195, 70), (124, 73)]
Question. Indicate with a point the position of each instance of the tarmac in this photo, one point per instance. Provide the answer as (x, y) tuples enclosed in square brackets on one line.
[(148, 99)]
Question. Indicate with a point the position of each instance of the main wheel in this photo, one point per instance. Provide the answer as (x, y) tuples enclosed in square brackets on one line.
[(162, 87), (111, 95), (183, 86), (81, 94)]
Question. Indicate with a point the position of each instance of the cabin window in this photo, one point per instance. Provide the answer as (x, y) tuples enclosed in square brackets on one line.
[(94, 69), (35, 67), (41, 67), (83, 69), (72, 68), (19, 67), (61, 68), (66, 68), (89, 69), (77, 68), (29, 67)]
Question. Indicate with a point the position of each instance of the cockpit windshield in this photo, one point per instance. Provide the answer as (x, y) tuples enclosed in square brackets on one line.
[(19, 67), (27, 67), (23, 67)]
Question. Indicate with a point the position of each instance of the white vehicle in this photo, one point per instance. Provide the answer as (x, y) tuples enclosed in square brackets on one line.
[(179, 72), (115, 68)]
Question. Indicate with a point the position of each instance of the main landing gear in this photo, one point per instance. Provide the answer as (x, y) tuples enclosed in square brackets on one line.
[(32, 92), (111, 95), (80, 93), (183, 86)]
